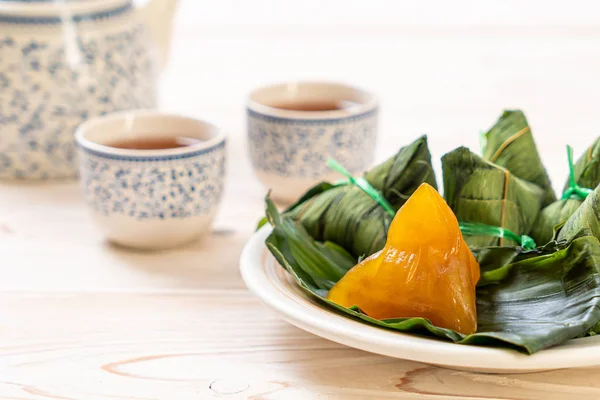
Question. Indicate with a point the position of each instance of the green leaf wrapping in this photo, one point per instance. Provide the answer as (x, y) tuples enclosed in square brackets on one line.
[(510, 144), (480, 191), (320, 265), (399, 176), (554, 214), (587, 216), (539, 299), (495, 262), (587, 167), (344, 214), (587, 175)]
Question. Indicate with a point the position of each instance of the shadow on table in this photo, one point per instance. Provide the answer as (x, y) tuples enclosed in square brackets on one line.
[(210, 262)]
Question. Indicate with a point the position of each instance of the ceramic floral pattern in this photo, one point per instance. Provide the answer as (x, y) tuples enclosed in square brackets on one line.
[(48, 87), (184, 186), (300, 148)]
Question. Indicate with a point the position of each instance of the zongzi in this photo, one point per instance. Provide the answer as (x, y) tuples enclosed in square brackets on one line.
[(551, 216), (509, 144), (585, 174), (425, 269), (482, 192), (587, 216), (587, 168)]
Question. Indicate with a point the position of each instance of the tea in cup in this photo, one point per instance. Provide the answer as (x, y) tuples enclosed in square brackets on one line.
[(151, 180), (294, 128)]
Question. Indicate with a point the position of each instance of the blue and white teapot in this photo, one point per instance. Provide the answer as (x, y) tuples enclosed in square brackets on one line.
[(64, 61)]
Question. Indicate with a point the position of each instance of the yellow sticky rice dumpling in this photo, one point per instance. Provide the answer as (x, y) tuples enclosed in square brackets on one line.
[(425, 269)]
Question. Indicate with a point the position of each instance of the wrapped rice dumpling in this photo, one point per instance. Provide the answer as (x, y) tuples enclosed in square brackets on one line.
[(482, 192), (509, 144), (587, 175), (345, 215), (425, 269), (550, 216), (587, 168), (587, 217)]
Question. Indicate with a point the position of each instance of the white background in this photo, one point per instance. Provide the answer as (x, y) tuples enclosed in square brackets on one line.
[(443, 68)]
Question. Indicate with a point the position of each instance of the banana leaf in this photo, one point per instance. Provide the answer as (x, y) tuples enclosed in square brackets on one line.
[(552, 215), (587, 216), (587, 175), (320, 265), (509, 144), (344, 214), (480, 191), (539, 299), (587, 168)]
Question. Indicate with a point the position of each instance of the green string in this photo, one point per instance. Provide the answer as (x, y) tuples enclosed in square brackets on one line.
[(467, 228), (574, 191), (364, 185), (477, 229)]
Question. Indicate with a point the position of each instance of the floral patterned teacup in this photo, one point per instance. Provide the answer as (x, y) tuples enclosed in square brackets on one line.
[(294, 128), (151, 199)]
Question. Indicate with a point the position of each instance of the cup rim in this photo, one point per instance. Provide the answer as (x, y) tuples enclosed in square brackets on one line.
[(100, 149), (46, 9), (369, 105)]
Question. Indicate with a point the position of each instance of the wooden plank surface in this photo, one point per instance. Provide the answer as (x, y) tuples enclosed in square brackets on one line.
[(82, 319), (174, 345)]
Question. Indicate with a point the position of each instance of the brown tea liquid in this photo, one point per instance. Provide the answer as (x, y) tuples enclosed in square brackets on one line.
[(315, 105), (153, 143)]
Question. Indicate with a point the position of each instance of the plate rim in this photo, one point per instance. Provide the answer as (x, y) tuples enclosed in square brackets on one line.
[(584, 352)]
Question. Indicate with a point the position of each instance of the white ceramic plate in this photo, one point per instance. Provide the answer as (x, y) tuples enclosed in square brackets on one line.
[(275, 287)]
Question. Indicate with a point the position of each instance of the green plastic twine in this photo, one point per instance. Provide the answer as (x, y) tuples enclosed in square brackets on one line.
[(467, 228), (574, 191), (477, 229), (364, 185)]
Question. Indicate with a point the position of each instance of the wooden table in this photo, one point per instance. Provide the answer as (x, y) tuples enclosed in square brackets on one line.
[(81, 319)]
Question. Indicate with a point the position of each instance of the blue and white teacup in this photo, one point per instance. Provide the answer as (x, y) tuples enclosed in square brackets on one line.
[(294, 128), (151, 198)]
